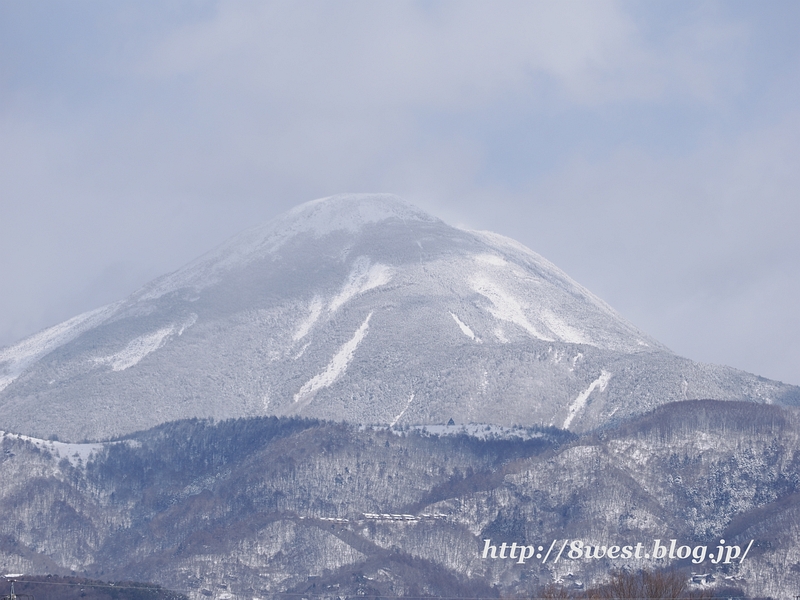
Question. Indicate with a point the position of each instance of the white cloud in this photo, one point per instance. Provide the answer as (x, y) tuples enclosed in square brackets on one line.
[(453, 55), (644, 147)]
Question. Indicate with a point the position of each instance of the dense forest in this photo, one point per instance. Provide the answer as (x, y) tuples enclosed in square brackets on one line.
[(261, 507), (53, 587)]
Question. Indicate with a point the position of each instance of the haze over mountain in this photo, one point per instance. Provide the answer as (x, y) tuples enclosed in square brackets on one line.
[(359, 308)]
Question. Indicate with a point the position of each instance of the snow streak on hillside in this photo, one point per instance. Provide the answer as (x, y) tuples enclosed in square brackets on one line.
[(336, 367), (15, 359), (345, 308)]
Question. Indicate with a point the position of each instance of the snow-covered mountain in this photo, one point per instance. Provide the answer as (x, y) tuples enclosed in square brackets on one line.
[(359, 308)]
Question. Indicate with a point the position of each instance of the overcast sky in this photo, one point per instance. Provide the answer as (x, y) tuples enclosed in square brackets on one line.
[(651, 150)]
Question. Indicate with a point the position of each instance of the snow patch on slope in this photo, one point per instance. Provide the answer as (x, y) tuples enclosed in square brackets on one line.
[(464, 328), (15, 359), (136, 349), (363, 277), (564, 332), (190, 320), (580, 401), (77, 454), (533, 262), (315, 310), (143, 345), (491, 259), (402, 412), (504, 306), (336, 367)]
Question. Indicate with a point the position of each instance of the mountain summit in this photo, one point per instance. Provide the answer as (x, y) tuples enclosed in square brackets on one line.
[(360, 308)]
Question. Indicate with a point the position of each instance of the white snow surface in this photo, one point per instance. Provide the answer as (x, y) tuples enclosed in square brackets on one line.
[(527, 290), (503, 243), (77, 454), (143, 345), (566, 333), (579, 402), (402, 412), (348, 212), (491, 259), (363, 277), (15, 359), (314, 312), (501, 336), (336, 367), (343, 212), (464, 328), (504, 306)]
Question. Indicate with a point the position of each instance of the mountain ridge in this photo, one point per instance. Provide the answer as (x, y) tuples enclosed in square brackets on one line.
[(259, 507), (358, 308)]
